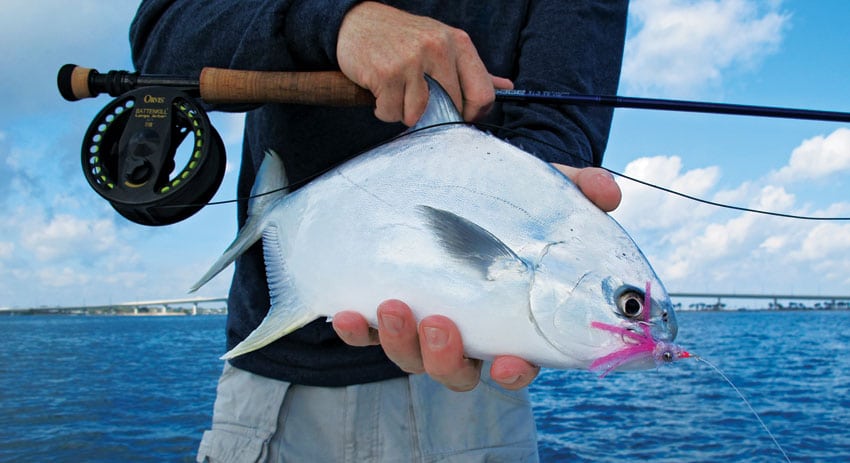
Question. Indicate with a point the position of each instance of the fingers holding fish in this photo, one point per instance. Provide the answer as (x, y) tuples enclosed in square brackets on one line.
[(596, 183), (513, 372), (391, 64), (352, 328), (435, 347), (476, 84), (398, 335), (443, 357)]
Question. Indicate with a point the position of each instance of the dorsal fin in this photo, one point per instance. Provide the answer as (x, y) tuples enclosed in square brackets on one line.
[(440, 108), (270, 183)]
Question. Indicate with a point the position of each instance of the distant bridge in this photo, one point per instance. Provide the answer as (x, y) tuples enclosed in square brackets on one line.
[(186, 306), (774, 301)]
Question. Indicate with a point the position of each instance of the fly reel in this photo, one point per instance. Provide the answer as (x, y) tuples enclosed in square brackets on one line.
[(132, 149)]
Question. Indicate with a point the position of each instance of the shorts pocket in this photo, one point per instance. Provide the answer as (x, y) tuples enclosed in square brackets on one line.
[(231, 446), (487, 423)]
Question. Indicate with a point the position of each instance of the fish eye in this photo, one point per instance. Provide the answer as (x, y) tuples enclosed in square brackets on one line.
[(631, 304), (667, 357)]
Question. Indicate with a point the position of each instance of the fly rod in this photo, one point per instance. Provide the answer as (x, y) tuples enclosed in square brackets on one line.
[(130, 150), (332, 88)]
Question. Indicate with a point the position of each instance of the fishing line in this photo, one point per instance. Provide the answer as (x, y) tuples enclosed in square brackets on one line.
[(494, 127), (747, 403), (665, 189), (727, 206), (307, 179)]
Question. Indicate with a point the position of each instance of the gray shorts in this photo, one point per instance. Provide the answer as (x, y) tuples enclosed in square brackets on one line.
[(411, 419)]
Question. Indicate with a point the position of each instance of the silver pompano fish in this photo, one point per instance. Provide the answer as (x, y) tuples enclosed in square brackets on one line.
[(455, 221)]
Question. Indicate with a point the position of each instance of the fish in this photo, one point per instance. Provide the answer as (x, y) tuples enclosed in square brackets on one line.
[(455, 221)]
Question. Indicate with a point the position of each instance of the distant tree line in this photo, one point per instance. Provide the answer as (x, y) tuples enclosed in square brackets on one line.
[(717, 306)]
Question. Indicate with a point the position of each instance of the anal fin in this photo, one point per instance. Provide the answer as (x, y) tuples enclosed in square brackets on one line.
[(287, 313)]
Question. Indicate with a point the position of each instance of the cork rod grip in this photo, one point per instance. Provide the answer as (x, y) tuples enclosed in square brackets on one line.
[(326, 88)]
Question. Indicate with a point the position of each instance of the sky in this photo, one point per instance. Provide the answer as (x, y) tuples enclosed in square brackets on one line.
[(61, 244)]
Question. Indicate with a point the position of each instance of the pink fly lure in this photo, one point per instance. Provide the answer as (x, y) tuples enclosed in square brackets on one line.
[(642, 344)]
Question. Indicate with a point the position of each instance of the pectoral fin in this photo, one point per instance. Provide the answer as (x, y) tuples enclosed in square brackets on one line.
[(472, 244)]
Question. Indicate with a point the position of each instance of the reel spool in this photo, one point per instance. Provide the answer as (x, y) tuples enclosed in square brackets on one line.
[(129, 156)]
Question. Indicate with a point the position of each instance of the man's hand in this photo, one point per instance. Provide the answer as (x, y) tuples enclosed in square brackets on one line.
[(388, 52), (596, 183), (434, 346)]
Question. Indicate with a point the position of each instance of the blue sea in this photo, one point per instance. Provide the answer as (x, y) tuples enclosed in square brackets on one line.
[(107, 389)]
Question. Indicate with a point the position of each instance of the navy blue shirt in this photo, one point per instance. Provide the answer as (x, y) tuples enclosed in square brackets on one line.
[(557, 45)]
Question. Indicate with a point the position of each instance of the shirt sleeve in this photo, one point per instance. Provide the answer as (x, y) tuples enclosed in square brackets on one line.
[(573, 47), (182, 36)]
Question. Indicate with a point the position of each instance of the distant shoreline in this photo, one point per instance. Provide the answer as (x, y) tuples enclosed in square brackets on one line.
[(85, 313), (760, 310)]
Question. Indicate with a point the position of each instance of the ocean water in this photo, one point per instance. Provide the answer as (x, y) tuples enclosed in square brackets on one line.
[(106, 389)]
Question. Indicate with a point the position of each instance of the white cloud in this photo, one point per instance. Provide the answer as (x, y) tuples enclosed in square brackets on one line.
[(64, 250), (696, 247), (824, 241), (679, 47), (774, 199), (717, 241), (58, 277), (818, 157), (774, 243), (649, 208), (66, 235)]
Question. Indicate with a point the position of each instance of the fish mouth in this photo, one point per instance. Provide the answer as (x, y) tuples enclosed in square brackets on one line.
[(657, 333), (641, 350), (637, 332)]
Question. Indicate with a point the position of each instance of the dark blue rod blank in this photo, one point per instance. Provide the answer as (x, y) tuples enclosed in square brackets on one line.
[(530, 96)]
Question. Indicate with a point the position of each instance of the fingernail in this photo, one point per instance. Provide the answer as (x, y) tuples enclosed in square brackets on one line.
[(391, 324), (435, 338), (510, 379), (604, 177)]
